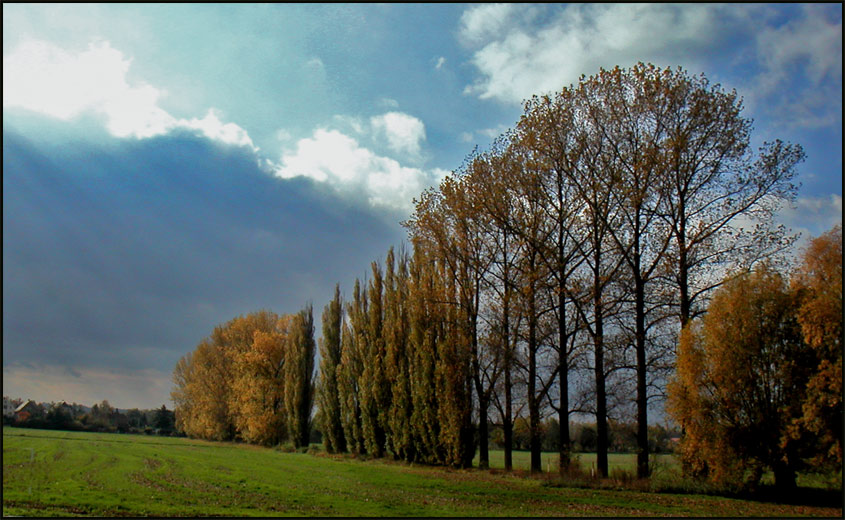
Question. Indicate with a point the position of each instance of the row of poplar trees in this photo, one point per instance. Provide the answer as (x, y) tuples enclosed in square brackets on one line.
[(252, 379), (553, 273)]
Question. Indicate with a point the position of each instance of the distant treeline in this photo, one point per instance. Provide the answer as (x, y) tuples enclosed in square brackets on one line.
[(101, 417), (622, 437)]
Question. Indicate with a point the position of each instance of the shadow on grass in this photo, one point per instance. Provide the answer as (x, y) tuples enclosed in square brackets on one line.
[(801, 496), (576, 477)]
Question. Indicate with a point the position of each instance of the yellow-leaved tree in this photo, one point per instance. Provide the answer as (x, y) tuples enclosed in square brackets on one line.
[(818, 281), (258, 388), (740, 381)]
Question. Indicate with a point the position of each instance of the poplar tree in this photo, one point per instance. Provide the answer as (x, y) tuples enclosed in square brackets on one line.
[(349, 375), (373, 387), (396, 331), (546, 135), (425, 328), (329, 393), (299, 373), (493, 175)]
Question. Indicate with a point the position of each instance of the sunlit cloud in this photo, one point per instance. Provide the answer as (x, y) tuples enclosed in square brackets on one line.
[(519, 56), (331, 157), (404, 133), (216, 130), (44, 78), (519, 53)]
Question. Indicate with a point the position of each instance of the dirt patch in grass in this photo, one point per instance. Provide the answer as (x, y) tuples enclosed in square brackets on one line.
[(39, 509)]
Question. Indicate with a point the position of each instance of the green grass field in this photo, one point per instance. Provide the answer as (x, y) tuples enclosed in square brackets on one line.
[(51, 473)]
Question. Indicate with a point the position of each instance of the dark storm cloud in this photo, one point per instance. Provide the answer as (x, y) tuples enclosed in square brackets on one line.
[(127, 253)]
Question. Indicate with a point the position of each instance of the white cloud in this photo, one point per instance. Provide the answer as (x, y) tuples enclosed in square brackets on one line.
[(807, 47), (440, 62), (494, 132), (485, 21), (47, 79), (389, 103), (518, 58), (812, 40), (404, 133), (466, 137), (354, 123), (334, 158), (813, 215), (790, 70), (315, 64), (213, 128)]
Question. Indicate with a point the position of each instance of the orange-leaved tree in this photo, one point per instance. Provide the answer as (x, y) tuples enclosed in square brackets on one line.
[(818, 281), (740, 381)]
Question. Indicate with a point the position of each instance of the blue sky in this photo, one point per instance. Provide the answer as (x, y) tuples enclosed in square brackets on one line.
[(168, 167)]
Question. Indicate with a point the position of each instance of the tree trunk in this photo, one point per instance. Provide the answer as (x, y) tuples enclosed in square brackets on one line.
[(563, 366), (563, 355), (601, 393), (642, 389), (507, 421), (785, 478), (533, 404), (483, 453)]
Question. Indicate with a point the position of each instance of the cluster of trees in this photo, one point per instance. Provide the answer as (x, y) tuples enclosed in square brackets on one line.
[(553, 275), (759, 377), (554, 272), (251, 380), (102, 417)]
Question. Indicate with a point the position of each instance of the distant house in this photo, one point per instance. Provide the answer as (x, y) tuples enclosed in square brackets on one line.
[(8, 407), (63, 407), (27, 410)]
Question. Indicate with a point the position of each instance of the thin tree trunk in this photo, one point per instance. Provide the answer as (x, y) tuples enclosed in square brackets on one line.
[(642, 396), (507, 423), (601, 394), (533, 405), (563, 365)]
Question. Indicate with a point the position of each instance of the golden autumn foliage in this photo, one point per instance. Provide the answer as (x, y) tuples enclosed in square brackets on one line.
[(233, 385), (818, 281), (257, 396), (201, 394), (750, 391)]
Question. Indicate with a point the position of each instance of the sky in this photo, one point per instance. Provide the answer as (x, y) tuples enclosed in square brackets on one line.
[(169, 167)]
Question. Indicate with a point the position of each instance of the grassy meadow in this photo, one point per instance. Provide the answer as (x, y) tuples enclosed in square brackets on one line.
[(56, 473)]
